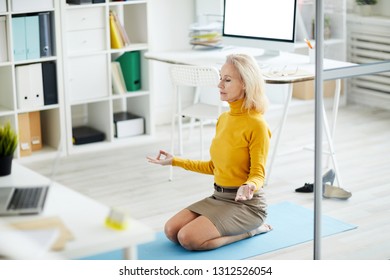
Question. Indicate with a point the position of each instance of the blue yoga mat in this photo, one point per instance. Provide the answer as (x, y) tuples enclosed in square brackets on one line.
[(292, 224)]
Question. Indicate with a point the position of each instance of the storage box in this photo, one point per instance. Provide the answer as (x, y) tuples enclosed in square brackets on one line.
[(305, 90), (85, 135), (79, 2), (131, 69), (127, 124), (31, 6)]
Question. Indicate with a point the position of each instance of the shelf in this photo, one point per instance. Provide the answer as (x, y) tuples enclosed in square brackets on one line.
[(32, 27), (90, 100)]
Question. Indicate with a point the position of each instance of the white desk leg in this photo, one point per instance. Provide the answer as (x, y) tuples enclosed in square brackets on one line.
[(130, 253), (336, 101), (279, 132), (330, 133)]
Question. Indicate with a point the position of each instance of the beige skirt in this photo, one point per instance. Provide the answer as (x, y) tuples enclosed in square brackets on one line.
[(232, 217)]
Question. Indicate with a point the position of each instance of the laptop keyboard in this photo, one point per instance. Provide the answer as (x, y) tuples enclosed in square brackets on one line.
[(25, 198)]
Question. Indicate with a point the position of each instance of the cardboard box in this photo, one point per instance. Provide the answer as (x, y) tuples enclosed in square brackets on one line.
[(305, 90), (35, 130), (127, 124)]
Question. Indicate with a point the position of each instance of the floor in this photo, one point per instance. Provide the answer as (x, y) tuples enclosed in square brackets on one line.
[(122, 177)]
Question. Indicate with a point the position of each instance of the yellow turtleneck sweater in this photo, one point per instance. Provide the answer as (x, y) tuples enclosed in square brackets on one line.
[(238, 151)]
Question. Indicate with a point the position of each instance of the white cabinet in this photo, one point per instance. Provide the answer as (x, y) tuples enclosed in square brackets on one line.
[(87, 55), (32, 82), (88, 78)]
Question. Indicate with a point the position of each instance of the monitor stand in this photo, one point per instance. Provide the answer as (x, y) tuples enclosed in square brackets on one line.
[(267, 54)]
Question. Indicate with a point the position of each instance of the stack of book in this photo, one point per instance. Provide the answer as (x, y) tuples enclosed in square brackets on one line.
[(118, 35)]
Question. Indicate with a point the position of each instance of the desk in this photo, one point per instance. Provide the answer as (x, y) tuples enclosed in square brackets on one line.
[(83, 216), (305, 72)]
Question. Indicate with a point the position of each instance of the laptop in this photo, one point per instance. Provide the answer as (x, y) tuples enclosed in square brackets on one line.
[(24, 200)]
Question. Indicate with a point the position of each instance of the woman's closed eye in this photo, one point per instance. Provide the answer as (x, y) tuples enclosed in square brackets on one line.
[(226, 80)]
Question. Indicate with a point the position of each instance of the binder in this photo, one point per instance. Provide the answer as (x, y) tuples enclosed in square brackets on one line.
[(25, 33), (49, 78), (29, 86), (35, 130), (45, 40), (24, 135), (19, 38), (122, 32), (115, 37), (3, 39), (118, 82), (32, 37), (131, 67)]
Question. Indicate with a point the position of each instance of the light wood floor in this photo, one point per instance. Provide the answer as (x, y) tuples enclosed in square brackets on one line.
[(121, 177)]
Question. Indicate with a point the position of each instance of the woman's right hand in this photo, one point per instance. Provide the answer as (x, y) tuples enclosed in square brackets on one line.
[(163, 158)]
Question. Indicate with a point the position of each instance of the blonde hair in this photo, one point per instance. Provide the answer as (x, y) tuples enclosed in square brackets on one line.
[(249, 70)]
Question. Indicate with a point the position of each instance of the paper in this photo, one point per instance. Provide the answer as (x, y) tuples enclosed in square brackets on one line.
[(26, 244), (49, 223)]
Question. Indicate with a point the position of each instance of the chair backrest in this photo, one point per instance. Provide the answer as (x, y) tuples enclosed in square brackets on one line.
[(194, 76), (204, 79)]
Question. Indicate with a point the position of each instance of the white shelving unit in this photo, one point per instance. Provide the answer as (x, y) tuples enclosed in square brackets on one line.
[(51, 116), (87, 52)]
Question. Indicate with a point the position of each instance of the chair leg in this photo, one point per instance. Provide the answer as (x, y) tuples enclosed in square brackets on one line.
[(201, 140), (172, 145), (180, 132)]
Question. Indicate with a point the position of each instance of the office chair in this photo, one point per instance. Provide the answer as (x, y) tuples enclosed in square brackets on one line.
[(202, 109)]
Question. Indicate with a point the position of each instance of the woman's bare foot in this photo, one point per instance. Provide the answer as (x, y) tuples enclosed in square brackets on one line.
[(261, 229)]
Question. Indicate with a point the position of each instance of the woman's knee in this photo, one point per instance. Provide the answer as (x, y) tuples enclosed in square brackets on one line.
[(188, 241), (171, 232)]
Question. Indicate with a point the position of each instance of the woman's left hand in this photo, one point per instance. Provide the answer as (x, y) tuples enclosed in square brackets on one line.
[(245, 192)]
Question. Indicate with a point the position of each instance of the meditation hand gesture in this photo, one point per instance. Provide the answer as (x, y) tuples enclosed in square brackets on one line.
[(245, 192), (166, 160)]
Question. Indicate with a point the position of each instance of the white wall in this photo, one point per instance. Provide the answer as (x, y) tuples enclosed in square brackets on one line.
[(169, 22)]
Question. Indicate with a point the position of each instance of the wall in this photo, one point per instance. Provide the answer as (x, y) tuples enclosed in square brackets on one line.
[(169, 21)]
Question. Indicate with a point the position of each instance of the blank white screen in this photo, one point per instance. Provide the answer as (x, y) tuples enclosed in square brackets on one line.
[(269, 19)]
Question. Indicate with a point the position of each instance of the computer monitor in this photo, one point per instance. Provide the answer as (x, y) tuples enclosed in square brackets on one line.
[(265, 24)]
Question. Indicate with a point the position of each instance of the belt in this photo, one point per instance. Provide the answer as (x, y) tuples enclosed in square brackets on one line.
[(224, 190)]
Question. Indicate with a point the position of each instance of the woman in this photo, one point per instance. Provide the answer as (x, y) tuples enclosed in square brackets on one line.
[(237, 209)]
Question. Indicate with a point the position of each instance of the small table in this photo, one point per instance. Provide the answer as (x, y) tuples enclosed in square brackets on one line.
[(83, 216)]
